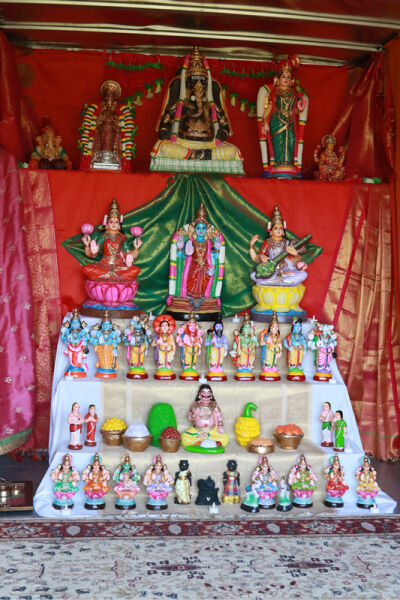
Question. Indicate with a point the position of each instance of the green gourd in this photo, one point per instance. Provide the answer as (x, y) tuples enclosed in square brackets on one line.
[(160, 417)]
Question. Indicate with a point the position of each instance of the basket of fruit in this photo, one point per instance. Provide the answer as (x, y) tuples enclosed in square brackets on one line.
[(288, 436), (170, 439), (137, 437), (112, 431)]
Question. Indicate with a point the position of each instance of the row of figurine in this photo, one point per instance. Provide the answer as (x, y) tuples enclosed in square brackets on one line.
[(260, 494), (193, 129), (138, 338)]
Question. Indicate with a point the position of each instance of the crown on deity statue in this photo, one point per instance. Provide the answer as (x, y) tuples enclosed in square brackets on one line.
[(196, 68), (113, 212), (276, 218), (201, 214), (329, 138), (112, 86), (274, 319)]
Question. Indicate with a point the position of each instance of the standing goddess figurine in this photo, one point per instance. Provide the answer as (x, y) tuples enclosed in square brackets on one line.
[(336, 486), (303, 482), (65, 477), (339, 431), (231, 481), (268, 478), (183, 481), (367, 487), (164, 346), (105, 338), (322, 339), (158, 482), (75, 422), (190, 339), (137, 339), (96, 477), (217, 348), (328, 421), (244, 350), (296, 345), (91, 420), (127, 478), (330, 165), (271, 350), (75, 333)]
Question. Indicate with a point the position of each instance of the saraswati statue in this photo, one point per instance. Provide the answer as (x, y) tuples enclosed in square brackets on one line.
[(194, 125)]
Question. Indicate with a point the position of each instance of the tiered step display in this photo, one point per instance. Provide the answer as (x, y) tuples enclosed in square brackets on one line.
[(279, 403)]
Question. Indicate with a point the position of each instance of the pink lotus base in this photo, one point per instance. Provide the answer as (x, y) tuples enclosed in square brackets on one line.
[(268, 495), (64, 495), (112, 294), (159, 495), (335, 493), (370, 494), (95, 495), (303, 493)]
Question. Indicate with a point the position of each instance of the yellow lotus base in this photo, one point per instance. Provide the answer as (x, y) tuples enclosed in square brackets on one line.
[(278, 298)]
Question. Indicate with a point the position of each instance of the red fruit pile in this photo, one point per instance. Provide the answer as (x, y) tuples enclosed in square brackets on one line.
[(170, 433)]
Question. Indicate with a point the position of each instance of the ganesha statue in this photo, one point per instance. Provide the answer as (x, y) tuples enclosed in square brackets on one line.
[(194, 125), (48, 153)]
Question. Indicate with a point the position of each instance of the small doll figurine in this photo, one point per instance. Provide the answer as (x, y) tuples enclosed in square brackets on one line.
[(268, 478), (183, 481), (75, 421), (158, 482), (217, 348), (65, 477), (303, 482), (322, 339), (208, 493), (243, 351), (137, 339), (327, 418), (285, 503), (96, 477), (231, 481), (296, 345), (164, 346), (207, 435), (252, 500), (339, 431), (75, 333), (190, 339), (127, 487), (91, 420), (367, 487), (336, 486), (105, 337), (271, 350), (330, 164)]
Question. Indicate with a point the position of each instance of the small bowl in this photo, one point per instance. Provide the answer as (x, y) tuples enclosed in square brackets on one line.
[(169, 445), (260, 448), (137, 444), (112, 438), (288, 442)]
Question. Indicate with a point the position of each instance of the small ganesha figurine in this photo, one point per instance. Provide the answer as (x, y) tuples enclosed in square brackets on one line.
[(48, 153), (336, 486), (303, 481), (271, 350), (95, 477), (296, 345), (137, 339), (207, 435), (216, 344), (330, 165), (158, 482), (105, 338), (322, 339), (76, 334), (190, 339), (127, 478), (164, 346), (65, 477), (243, 351), (367, 487), (268, 478)]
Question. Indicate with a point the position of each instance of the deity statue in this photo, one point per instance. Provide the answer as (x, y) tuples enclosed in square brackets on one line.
[(271, 350), (336, 485), (243, 351), (207, 435), (183, 481), (251, 502), (194, 124), (137, 339), (190, 339), (164, 346), (96, 477), (158, 482), (217, 348), (322, 339), (75, 333), (296, 345), (49, 154), (231, 481), (65, 477), (282, 115), (367, 487), (127, 478), (110, 280), (281, 264), (330, 165), (339, 431), (91, 420), (107, 132), (105, 338), (303, 482), (75, 422), (196, 270), (327, 419), (268, 478), (285, 504)]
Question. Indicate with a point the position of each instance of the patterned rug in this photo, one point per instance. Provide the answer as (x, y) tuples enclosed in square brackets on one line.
[(212, 559)]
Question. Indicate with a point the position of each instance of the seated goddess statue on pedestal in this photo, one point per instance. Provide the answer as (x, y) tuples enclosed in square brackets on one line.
[(194, 124)]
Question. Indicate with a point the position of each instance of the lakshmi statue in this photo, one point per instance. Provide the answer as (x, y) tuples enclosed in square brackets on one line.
[(336, 486), (127, 478), (281, 264), (207, 435), (75, 333), (296, 345), (49, 154), (303, 482), (105, 338), (271, 350), (217, 348), (194, 124), (107, 132), (137, 339), (282, 116), (65, 477), (268, 478), (158, 482), (367, 487), (231, 481), (190, 338), (164, 346), (183, 481), (322, 339), (110, 280), (196, 271), (243, 351), (96, 477), (330, 165)]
